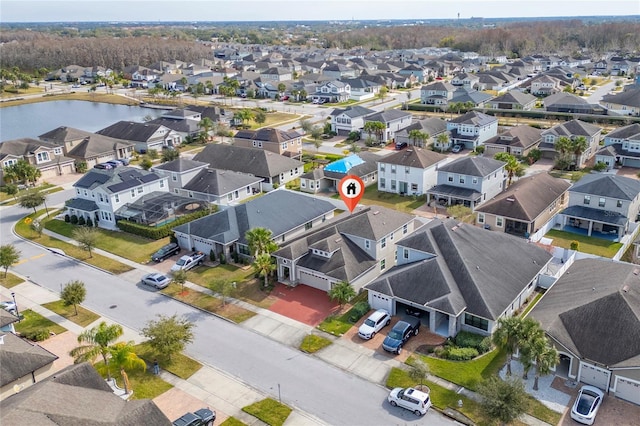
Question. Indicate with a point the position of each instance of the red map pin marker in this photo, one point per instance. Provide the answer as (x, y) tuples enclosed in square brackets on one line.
[(351, 189)]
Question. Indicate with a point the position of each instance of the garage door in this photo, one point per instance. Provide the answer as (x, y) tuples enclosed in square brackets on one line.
[(595, 376), (628, 389), (380, 301), (314, 281), (183, 241)]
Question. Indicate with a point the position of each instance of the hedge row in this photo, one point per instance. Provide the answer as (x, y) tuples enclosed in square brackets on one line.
[(159, 232)]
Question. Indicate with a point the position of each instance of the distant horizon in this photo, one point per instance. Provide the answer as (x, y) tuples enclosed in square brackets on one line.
[(190, 11)]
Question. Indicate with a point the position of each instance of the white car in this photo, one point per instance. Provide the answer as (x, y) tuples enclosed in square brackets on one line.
[(156, 280), (456, 149), (585, 408), (374, 323), (9, 307), (411, 399)]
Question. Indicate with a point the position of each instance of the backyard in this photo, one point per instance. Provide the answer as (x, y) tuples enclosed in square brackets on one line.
[(392, 201), (591, 245)]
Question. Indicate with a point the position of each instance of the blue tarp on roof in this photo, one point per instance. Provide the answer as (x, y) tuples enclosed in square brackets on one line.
[(345, 164)]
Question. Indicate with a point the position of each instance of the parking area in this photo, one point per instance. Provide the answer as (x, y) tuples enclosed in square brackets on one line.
[(614, 411), (305, 304)]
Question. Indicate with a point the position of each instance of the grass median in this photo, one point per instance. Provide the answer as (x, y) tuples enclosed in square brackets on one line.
[(83, 318)]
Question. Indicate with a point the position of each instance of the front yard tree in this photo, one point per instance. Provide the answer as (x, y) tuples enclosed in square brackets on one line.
[(180, 277), (506, 337), (225, 288), (32, 200), (169, 155), (260, 242), (503, 400), (73, 293), (9, 255), (207, 124), (418, 136), (419, 371), (316, 134), (260, 117), (168, 334), (96, 341), (21, 171), (263, 266), (87, 237), (513, 166), (564, 148), (375, 127), (306, 125), (342, 292), (123, 357)]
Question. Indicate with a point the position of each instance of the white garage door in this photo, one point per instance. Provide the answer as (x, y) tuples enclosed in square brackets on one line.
[(628, 389), (183, 241), (380, 301), (314, 281), (592, 375)]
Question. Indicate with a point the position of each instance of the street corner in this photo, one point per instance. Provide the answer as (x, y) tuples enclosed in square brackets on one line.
[(176, 402)]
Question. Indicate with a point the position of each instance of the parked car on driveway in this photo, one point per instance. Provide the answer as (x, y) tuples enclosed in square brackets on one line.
[(410, 399), (188, 261), (376, 321), (400, 333), (165, 252), (202, 417), (156, 279), (456, 149), (587, 403)]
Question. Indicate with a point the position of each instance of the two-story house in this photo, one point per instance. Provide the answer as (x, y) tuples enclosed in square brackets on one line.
[(350, 119), (355, 248), (437, 93), (221, 187), (48, 158), (179, 172), (339, 71), (470, 181), (282, 142), (472, 129), (621, 147), (394, 120), (624, 103), (409, 172), (517, 141), (362, 88), (460, 277), (332, 91), (602, 205), (145, 136), (546, 85), (526, 206), (469, 81), (432, 127), (276, 74), (571, 129)]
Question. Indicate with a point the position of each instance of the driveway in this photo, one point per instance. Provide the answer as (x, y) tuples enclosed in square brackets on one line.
[(304, 304), (614, 411), (542, 165)]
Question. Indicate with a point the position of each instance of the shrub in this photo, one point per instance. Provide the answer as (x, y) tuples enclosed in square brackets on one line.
[(74, 219), (223, 259), (89, 222), (38, 335), (212, 255), (600, 166), (460, 354), (67, 218), (466, 339), (82, 220), (575, 245), (358, 310), (235, 256), (159, 232)]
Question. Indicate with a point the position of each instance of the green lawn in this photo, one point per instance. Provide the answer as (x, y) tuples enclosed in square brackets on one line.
[(337, 325), (129, 246), (83, 318), (597, 246), (313, 343), (393, 201), (269, 411), (179, 364), (106, 263), (10, 280), (144, 383), (232, 421), (32, 321)]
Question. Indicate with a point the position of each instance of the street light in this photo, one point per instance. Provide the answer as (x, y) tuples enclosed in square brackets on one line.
[(13, 295)]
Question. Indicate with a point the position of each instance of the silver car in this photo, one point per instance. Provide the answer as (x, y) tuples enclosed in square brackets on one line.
[(156, 280)]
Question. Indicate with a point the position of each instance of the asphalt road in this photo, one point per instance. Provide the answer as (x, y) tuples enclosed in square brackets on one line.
[(332, 395)]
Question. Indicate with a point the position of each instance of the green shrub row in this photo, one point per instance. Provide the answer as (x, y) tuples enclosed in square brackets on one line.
[(37, 335), (159, 232), (454, 353), (358, 310), (466, 339)]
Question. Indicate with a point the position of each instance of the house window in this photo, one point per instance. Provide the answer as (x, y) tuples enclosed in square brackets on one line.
[(381, 167), (383, 182), (619, 203), (248, 190), (303, 184), (476, 322), (499, 221), (284, 145), (10, 162), (57, 151), (367, 244), (414, 187), (393, 185), (42, 156), (174, 177), (450, 178), (383, 242), (601, 202), (140, 190), (101, 198), (229, 196), (393, 168), (407, 170), (480, 217), (474, 180), (257, 144), (587, 199), (461, 179), (308, 226), (133, 192), (391, 236), (383, 264), (117, 198), (405, 253)]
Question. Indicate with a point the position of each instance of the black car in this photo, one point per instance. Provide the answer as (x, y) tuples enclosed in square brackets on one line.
[(413, 312), (202, 417), (166, 252), (400, 333)]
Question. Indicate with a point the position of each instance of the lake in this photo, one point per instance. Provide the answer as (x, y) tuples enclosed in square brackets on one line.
[(32, 120)]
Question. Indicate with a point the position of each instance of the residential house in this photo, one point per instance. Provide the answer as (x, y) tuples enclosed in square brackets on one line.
[(437, 93), (22, 363), (362, 88), (332, 91), (47, 157), (621, 147), (141, 77), (525, 206), (591, 316), (470, 181), (326, 179), (517, 141), (568, 102), (571, 129), (77, 395), (546, 85), (283, 142), (88, 147), (179, 172), (339, 71), (350, 119), (460, 277), (421, 75), (464, 79), (145, 136), (286, 214), (624, 103), (472, 97), (106, 196), (183, 121), (274, 169), (354, 248), (394, 120), (276, 74), (514, 100), (411, 171), (603, 206), (433, 127), (221, 187), (472, 129)]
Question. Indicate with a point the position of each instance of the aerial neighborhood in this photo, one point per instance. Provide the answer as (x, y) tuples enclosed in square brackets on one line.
[(499, 218)]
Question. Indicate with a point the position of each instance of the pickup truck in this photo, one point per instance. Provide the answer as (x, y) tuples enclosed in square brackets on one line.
[(188, 261)]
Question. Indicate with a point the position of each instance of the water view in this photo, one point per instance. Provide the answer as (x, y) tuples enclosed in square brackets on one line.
[(32, 120)]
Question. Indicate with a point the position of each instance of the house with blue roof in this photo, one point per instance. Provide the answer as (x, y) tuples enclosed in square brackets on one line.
[(362, 164)]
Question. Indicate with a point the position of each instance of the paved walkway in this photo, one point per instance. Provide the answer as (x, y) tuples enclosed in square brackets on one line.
[(344, 353)]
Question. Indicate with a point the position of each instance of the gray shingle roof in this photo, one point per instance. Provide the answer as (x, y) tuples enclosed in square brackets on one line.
[(63, 134), (473, 166), (590, 213), (475, 270), (95, 145), (353, 111), (594, 311), (475, 118), (414, 157), (519, 136), (573, 128), (130, 131), (607, 185), (625, 132), (219, 182), (253, 161), (628, 97), (388, 115), (268, 134), (19, 358), (180, 165)]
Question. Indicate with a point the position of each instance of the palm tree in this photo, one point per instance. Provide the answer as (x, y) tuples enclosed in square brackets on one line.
[(506, 337), (563, 146), (263, 266), (206, 124), (418, 135), (443, 139), (578, 146), (546, 358), (342, 292), (124, 358), (244, 115), (96, 342), (513, 166), (260, 242), (530, 334)]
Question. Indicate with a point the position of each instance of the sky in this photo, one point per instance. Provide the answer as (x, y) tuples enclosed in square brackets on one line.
[(301, 10)]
